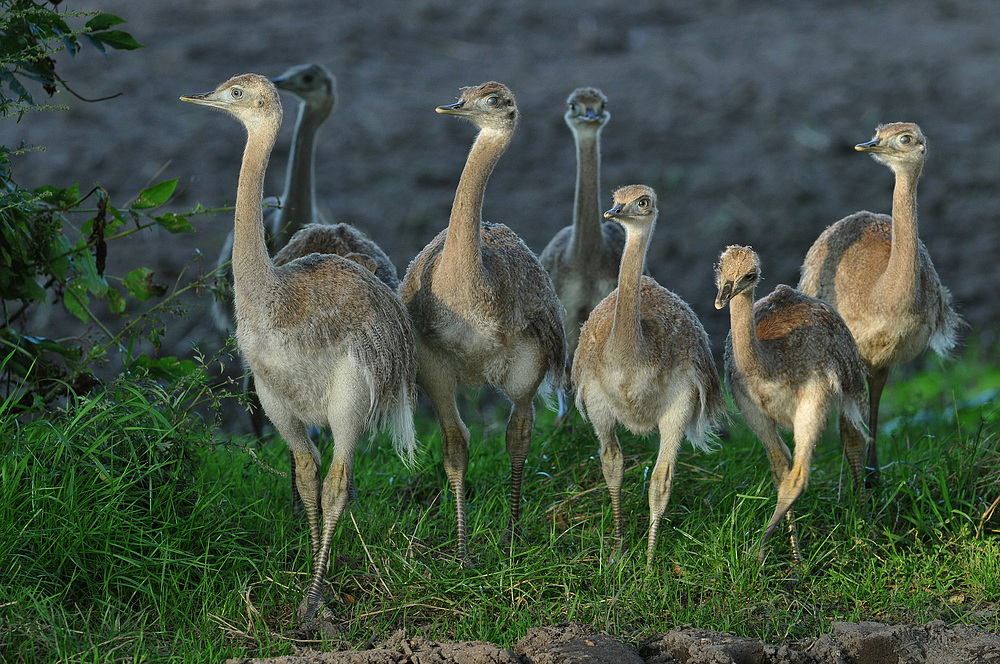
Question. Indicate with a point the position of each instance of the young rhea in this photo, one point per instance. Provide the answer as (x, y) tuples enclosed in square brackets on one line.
[(644, 362), (874, 270), (296, 228), (297, 216), (583, 259), (327, 342), (789, 360), (484, 310)]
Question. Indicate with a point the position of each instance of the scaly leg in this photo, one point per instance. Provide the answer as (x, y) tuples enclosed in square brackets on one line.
[(347, 417), (811, 417), (673, 423), (518, 441), (613, 467), (876, 381)]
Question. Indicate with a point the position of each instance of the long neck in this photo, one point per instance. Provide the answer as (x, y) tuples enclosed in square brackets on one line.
[(298, 203), (252, 266), (463, 245), (900, 277), (587, 204), (746, 346), (627, 328)]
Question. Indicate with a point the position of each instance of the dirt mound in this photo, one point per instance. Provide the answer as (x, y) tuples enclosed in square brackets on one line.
[(572, 643)]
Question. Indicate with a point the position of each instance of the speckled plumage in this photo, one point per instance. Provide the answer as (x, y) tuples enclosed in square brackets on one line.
[(327, 342), (342, 240), (790, 359), (583, 258), (874, 270), (484, 310), (644, 362)]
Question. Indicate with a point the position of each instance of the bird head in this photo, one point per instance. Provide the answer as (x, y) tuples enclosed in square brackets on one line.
[(250, 98), (738, 269), (488, 106), (898, 144), (634, 207), (312, 83), (586, 110)]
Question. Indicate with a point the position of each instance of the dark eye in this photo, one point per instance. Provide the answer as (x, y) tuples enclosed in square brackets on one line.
[(643, 203), (237, 93), (750, 275), (308, 79), (904, 139), (491, 100)]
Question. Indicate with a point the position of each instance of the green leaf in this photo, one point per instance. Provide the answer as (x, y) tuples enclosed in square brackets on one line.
[(103, 22), (86, 266), (174, 223), (116, 39), (57, 253), (60, 198), (169, 368), (40, 345), (139, 283), (156, 195), (116, 303), (75, 299)]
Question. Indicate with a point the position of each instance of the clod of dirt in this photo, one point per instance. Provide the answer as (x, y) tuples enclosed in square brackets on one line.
[(847, 643), (703, 646), (402, 649), (934, 643), (573, 643)]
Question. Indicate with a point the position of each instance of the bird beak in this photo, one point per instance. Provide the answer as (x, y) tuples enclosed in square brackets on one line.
[(591, 115), (614, 212), (869, 146), (725, 294), (458, 108), (204, 99)]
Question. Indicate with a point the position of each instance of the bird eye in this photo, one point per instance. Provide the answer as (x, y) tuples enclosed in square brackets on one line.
[(904, 139), (237, 93), (643, 202), (491, 100), (308, 79)]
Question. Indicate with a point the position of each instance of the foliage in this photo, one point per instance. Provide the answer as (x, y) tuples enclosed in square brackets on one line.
[(126, 531), (54, 241)]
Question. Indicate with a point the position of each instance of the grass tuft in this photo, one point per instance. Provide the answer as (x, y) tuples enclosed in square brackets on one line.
[(130, 528)]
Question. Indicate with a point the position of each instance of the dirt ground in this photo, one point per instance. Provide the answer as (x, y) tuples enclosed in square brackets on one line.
[(742, 115), (572, 643)]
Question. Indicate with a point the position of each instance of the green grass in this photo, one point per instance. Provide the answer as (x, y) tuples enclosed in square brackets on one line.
[(131, 529)]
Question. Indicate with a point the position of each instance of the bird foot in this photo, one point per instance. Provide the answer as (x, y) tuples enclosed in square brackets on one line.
[(309, 608)]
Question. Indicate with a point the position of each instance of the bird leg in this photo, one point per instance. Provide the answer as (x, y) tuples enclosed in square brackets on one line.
[(780, 461), (518, 440), (336, 489), (613, 466), (810, 419), (455, 453), (876, 381), (792, 486), (672, 426), (307, 480)]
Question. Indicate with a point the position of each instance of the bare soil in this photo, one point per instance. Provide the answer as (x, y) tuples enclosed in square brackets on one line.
[(572, 643), (742, 115)]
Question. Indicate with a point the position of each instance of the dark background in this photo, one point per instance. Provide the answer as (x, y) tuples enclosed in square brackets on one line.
[(742, 115)]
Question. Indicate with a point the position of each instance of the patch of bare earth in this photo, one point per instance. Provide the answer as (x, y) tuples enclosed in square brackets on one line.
[(573, 643)]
